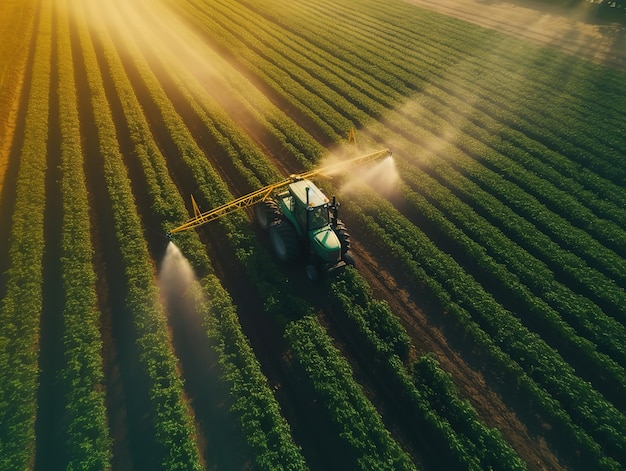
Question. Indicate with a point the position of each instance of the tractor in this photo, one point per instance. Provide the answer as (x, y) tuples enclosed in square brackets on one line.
[(300, 219)]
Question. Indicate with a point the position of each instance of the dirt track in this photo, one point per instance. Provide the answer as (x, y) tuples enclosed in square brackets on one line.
[(569, 30)]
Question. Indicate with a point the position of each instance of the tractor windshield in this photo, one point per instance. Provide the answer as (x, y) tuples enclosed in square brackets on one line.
[(318, 217)]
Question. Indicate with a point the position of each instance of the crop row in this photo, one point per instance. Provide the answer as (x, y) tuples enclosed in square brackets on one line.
[(253, 402), (529, 280), (530, 237), (579, 311), (615, 234), (292, 139), (400, 70), (523, 184), (585, 347), (487, 444), (493, 325), (272, 285), (527, 69), (324, 116), (566, 265), (515, 156), (21, 306), (383, 320), (459, 444), (381, 334), (562, 232), (507, 368), (172, 426), (17, 22), (609, 264), (433, 56), (82, 376), (354, 417)]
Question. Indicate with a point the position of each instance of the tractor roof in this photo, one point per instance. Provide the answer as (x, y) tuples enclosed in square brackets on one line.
[(316, 197)]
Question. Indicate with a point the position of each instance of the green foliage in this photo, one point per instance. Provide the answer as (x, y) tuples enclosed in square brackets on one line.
[(486, 443), (496, 141), (351, 297), (355, 418), (521, 200), (173, 428), (82, 377), (21, 306), (254, 404)]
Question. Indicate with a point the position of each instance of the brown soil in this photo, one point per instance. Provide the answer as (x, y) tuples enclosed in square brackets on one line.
[(571, 30)]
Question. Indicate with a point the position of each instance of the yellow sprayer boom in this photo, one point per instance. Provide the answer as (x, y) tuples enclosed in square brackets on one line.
[(264, 193)]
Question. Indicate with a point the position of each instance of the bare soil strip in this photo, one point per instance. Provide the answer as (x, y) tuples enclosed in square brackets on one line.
[(50, 442), (571, 31)]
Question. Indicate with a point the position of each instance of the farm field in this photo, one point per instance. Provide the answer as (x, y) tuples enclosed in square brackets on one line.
[(483, 326)]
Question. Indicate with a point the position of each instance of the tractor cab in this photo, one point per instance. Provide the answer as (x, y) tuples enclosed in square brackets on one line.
[(310, 205), (309, 211)]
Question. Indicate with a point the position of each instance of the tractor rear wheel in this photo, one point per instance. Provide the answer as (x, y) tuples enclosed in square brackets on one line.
[(266, 212), (343, 235), (284, 240)]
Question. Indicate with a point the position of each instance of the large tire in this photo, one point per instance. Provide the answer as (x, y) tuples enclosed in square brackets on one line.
[(284, 240), (349, 259), (265, 213), (343, 236)]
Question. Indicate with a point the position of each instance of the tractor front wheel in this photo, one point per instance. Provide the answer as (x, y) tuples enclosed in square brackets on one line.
[(343, 235), (348, 258), (284, 240)]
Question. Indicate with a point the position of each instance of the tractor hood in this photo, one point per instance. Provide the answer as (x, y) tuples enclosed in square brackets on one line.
[(327, 244)]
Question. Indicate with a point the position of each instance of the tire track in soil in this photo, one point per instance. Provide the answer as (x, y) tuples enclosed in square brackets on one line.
[(517, 418), (497, 403), (50, 450), (126, 385), (8, 187), (585, 367)]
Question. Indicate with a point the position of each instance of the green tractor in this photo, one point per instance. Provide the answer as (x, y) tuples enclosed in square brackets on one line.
[(302, 220), (299, 218)]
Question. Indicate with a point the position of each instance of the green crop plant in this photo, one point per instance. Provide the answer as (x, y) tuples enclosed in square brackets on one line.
[(21, 306)]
